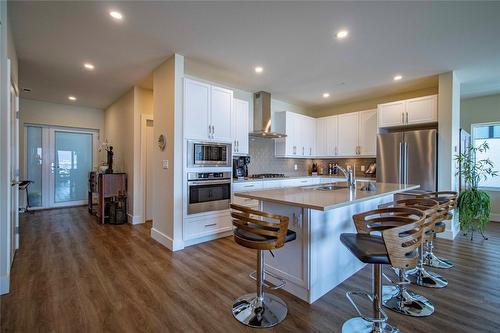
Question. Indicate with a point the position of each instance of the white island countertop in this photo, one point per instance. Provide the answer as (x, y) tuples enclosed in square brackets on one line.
[(313, 198)]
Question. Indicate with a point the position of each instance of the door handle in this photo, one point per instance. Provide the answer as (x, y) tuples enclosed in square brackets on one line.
[(406, 163)]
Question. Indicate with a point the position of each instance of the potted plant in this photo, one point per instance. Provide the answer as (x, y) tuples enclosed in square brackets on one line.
[(474, 205)]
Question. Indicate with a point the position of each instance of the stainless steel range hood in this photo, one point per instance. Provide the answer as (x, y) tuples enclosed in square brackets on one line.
[(262, 117)]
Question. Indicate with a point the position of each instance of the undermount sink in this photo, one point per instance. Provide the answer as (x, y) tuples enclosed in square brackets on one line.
[(332, 187)]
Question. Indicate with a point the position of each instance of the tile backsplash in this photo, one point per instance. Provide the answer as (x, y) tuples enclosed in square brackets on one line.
[(263, 161)]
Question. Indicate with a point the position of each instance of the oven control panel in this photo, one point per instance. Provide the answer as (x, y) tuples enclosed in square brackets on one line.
[(208, 175)]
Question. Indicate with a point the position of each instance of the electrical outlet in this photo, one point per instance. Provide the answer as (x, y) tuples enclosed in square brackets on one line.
[(363, 168), (295, 167), (164, 164)]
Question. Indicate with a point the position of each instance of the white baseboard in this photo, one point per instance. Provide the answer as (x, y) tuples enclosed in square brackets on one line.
[(495, 217), (4, 284), (135, 219), (169, 243)]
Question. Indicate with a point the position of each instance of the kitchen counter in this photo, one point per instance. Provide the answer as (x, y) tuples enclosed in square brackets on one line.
[(333, 177), (313, 198)]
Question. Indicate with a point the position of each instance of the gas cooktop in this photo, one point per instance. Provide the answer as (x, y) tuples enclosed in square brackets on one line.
[(267, 175)]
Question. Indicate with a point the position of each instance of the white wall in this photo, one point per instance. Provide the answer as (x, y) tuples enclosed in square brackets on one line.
[(167, 183), (484, 109), (448, 129)]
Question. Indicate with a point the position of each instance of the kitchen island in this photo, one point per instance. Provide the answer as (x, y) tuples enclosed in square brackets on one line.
[(316, 261)]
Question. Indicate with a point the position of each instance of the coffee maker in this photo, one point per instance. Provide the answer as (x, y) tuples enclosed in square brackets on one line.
[(240, 166)]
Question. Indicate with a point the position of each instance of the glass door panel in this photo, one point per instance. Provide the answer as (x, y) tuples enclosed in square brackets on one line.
[(34, 164), (72, 164)]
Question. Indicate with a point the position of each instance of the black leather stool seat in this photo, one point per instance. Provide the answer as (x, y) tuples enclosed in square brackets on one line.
[(369, 249), (290, 236), (441, 225)]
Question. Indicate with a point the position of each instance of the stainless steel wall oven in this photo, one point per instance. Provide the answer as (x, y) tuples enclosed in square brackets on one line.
[(208, 191)]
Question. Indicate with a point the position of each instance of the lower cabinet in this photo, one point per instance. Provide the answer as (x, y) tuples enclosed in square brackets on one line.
[(207, 225)]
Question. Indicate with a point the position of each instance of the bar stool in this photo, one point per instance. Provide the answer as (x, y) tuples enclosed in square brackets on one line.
[(448, 200), (401, 234), (399, 298), (260, 231), (419, 275)]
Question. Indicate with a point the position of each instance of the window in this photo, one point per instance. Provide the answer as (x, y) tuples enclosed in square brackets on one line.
[(489, 133)]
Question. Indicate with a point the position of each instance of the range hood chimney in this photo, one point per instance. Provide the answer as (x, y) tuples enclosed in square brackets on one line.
[(262, 116)]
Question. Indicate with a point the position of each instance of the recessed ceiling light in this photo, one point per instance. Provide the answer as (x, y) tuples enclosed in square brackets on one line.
[(326, 95), (342, 34), (398, 77), (259, 69), (116, 15), (88, 65), (72, 98)]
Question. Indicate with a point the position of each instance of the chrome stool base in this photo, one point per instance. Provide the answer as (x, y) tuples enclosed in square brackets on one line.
[(420, 277), (267, 313), (359, 325), (431, 260), (406, 302)]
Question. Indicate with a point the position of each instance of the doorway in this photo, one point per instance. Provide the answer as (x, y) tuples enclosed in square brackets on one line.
[(14, 171), (58, 161)]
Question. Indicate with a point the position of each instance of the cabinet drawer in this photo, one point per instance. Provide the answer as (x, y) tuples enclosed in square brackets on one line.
[(207, 226), (247, 186)]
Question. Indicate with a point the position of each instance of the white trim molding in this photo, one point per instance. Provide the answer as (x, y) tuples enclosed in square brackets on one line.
[(135, 219), (169, 243), (495, 217)]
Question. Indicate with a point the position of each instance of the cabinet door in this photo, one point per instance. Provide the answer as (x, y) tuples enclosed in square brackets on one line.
[(391, 114), (421, 110), (347, 134), (311, 137), (291, 134), (332, 136), (321, 139), (196, 109), (240, 127), (221, 102), (367, 132)]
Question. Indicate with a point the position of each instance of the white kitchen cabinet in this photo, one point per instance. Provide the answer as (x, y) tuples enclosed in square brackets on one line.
[(332, 135), (301, 135), (196, 110), (207, 111), (221, 110), (391, 114), (413, 111), (348, 134), (240, 126), (421, 110), (321, 137), (367, 143)]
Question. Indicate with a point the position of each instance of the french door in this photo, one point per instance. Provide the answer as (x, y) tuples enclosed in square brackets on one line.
[(58, 161)]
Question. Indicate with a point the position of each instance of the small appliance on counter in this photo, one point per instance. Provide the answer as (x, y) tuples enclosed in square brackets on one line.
[(372, 169), (240, 166)]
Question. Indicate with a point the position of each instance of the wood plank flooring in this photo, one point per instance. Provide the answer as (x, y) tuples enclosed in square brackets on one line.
[(73, 275)]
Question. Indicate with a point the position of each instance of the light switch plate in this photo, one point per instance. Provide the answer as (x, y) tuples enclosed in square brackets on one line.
[(164, 164)]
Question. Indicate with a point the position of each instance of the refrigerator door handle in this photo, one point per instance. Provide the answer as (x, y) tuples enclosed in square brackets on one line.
[(400, 168), (406, 162)]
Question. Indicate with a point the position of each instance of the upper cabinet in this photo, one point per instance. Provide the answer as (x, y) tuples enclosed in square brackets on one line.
[(301, 135), (367, 132), (240, 126), (207, 111), (348, 134), (413, 111)]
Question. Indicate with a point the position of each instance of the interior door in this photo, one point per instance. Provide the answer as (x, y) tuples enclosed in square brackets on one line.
[(14, 170)]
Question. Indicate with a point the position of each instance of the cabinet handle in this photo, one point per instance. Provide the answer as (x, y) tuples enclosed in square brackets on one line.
[(249, 186), (213, 131), (238, 144), (210, 224), (310, 151), (403, 117), (407, 117), (303, 151), (294, 150)]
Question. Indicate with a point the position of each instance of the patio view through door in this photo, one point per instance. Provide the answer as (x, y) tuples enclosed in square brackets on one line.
[(58, 160)]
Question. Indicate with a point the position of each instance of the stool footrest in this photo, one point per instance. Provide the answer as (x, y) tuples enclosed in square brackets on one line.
[(370, 297), (266, 283)]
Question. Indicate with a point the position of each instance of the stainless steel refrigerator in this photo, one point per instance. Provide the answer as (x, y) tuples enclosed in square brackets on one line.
[(408, 157)]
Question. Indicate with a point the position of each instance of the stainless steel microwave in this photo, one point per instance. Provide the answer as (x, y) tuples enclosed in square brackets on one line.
[(208, 154)]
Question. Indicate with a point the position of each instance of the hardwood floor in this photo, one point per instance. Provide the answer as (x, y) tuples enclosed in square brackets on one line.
[(73, 275)]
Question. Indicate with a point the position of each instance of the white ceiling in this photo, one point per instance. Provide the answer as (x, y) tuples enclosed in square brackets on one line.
[(292, 41)]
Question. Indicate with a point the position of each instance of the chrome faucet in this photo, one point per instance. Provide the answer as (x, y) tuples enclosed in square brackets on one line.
[(349, 175)]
